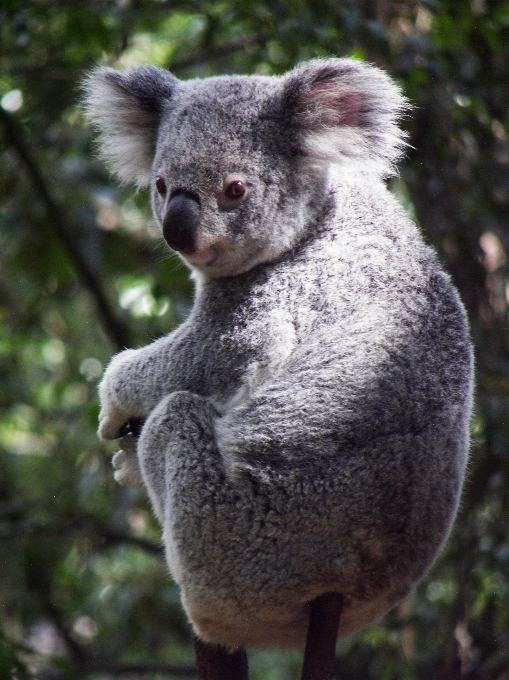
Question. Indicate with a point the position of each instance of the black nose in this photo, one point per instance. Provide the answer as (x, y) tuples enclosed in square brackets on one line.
[(181, 222)]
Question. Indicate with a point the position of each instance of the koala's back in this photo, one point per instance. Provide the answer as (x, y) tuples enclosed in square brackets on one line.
[(344, 457)]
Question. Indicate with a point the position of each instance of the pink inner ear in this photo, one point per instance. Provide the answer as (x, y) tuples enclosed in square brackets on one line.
[(329, 104)]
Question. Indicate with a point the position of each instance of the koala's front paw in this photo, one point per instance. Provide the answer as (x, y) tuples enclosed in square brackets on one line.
[(125, 462), (111, 423), (118, 392)]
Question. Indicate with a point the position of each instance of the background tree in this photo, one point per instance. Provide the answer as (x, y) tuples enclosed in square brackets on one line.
[(83, 589)]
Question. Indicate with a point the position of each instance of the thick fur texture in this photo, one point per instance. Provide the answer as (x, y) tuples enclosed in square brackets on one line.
[(307, 426)]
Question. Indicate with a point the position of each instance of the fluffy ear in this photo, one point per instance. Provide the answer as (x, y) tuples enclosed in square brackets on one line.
[(345, 110), (126, 107)]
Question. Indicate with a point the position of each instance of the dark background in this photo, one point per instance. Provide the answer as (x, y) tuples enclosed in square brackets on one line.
[(83, 273)]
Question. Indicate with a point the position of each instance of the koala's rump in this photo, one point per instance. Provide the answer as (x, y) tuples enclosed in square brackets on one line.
[(370, 531)]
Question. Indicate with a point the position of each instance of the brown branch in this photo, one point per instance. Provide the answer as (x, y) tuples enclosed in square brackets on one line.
[(324, 615), (214, 662), (114, 327)]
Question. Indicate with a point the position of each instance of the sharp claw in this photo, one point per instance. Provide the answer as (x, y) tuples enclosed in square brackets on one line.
[(136, 425), (125, 429), (133, 426)]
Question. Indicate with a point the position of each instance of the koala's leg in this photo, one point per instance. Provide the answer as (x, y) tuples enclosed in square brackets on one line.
[(177, 443), (211, 523), (224, 535)]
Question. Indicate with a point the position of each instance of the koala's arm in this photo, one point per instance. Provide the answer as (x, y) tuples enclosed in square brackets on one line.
[(134, 382)]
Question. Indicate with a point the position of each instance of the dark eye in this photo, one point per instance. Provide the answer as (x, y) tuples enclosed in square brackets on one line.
[(235, 190), (161, 186)]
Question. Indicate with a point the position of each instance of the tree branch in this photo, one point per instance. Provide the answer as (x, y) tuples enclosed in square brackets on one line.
[(324, 616), (114, 537), (117, 670), (114, 327), (224, 50), (20, 529), (215, 662)]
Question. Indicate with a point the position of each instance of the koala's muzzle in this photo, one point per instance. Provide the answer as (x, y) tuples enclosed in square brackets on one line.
[(181, 222)]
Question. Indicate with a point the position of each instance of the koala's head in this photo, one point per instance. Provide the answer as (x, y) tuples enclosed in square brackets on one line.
[(236, 164)]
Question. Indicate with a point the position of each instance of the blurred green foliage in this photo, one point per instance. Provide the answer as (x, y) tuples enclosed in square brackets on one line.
[(83, 589)]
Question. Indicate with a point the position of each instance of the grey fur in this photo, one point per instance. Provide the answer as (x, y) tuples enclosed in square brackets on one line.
[(307, 426)]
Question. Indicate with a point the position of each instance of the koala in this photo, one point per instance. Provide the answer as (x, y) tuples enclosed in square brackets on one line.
[(306, 429)]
